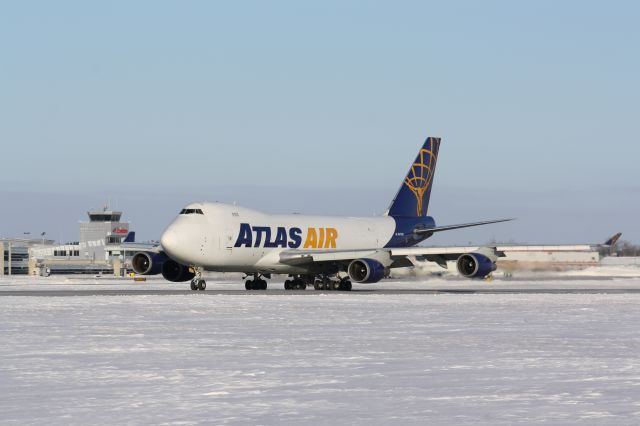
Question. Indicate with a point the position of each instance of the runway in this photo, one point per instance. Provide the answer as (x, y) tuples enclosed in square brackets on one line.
[(359, 292), (596, 281)]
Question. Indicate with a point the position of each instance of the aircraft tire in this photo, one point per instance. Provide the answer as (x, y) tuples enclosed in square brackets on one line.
[(202, 285), (288, 285), (248, 285), (327, 284), (257, 285), (194, 287)]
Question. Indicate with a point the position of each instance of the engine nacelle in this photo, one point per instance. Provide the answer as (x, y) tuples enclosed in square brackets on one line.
[(475, 265), (176, 272), (147, 263), (366, 271)]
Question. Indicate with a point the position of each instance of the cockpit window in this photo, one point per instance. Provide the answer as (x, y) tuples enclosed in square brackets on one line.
[(191, 211)]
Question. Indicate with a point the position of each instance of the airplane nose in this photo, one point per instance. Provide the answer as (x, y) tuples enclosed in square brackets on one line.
[(169, 240)]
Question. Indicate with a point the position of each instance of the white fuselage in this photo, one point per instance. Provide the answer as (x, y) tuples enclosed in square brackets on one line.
[(227, 238)]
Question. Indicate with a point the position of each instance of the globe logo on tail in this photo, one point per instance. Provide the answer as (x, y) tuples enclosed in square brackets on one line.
[(421, 174)]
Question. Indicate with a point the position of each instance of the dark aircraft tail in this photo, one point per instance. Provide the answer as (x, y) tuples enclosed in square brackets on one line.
[(613, 240), (412, 199)]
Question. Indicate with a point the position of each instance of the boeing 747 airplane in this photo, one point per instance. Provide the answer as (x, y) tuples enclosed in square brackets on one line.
[(324, 251)]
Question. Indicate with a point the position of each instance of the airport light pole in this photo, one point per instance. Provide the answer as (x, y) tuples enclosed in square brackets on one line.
[(9, 264)]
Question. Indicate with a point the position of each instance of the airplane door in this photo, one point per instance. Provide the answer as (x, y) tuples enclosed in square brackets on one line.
[(227, 238)]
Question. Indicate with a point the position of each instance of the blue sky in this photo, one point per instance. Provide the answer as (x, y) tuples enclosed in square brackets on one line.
[(320, 107)]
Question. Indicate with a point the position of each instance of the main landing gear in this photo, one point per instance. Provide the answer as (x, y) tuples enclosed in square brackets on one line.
[(326, 283), (197, 283), (296, 283), (319, 283), (256, 283)]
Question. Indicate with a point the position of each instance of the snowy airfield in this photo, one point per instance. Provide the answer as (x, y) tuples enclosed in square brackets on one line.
[(366, 357)]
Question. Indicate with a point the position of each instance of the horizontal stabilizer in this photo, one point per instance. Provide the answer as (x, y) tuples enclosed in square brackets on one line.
[(460, 226)]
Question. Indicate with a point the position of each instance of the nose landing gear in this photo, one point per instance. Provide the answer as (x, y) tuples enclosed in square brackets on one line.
[(197, 283)]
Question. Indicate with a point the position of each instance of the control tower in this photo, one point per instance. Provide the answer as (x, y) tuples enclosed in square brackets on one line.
[(104, 226)]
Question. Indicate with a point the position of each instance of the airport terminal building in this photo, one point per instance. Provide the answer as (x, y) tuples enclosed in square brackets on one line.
[(96, 251), (15, 254)]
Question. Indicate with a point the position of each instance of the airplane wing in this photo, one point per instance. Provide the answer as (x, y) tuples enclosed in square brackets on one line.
[(146, 247), (300, 257), (398, 257), (441, 255)]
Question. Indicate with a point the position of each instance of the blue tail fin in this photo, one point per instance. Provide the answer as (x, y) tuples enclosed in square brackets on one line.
[(413, 197), (131, 237), (613, 240)]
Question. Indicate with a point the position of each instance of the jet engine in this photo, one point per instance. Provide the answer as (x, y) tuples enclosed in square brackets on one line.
[(366, 271), (176, 272), (147, 263), (475, 265)]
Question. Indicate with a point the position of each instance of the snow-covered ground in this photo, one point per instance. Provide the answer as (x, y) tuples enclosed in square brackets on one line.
[(323, 358)]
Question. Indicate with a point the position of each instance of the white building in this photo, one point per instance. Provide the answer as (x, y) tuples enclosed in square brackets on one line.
[(15, 254), (98, 236)]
